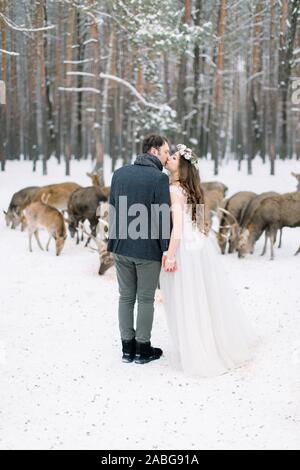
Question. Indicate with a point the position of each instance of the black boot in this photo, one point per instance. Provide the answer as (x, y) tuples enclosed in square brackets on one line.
[(128, 348), (146, 353)]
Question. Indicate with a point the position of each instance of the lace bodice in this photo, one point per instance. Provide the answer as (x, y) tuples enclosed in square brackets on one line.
[(178, 190), (188, 226), (174, 188)]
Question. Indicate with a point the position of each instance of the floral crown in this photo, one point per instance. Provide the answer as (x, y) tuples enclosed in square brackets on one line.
[(186, 152)]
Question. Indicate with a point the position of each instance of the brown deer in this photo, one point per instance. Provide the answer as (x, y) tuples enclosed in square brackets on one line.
[(21, 199), (98, 181), (214, 199), (83, 205), (39, 215), (246, 218), (57, 195), (272, 214), (230, 222), (215, 186), (297, 176), (106, 257)]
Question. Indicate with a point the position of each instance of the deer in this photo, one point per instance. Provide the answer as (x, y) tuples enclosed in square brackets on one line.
[(98, 181), (106, 257), (40, 215), (215, 185), (273, 213), (21, 199), (57, 195), (297, 176), (229, 227), (103, 214), (247, 217), (214, 200), (83, 205)]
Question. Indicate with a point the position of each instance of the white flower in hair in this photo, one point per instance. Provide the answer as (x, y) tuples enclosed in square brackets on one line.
[(181, 149), (186, 152)]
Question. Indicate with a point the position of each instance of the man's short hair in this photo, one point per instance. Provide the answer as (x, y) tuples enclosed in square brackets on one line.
[(155, 141)]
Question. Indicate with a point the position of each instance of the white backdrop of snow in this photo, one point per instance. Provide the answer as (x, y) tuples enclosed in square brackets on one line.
[(63, 384)]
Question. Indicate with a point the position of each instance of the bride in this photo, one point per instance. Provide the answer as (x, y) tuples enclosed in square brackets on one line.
[(209, 334)]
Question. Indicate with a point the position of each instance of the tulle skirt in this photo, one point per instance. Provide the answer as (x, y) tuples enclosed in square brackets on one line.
[(209, 333)]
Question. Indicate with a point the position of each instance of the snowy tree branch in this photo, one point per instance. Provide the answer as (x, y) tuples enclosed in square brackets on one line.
[(83, 74), (78, 61), (131, 88), (89, 89), (11, 25), (9, 52)]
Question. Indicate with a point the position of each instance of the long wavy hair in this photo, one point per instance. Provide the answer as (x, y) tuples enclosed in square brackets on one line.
[(190, 181)]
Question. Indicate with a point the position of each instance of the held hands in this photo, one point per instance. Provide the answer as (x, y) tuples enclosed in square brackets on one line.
[(169, 263)]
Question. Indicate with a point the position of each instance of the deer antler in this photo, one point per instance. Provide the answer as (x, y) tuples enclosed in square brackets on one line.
[(229, 213), (221, 226)]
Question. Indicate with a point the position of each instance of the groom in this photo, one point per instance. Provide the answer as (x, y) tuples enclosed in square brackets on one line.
[(138, 256)]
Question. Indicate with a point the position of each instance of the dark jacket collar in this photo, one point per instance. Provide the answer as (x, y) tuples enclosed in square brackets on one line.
[(148, 160)]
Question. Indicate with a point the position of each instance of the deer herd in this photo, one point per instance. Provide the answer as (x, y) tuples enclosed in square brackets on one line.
[(243, 218), (247, 215)]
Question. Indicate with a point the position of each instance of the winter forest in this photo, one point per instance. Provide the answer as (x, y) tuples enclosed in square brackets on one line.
[(87, 78), (82, 83)]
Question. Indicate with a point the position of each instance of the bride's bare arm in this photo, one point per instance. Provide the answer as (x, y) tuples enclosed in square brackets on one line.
[(177, 205)]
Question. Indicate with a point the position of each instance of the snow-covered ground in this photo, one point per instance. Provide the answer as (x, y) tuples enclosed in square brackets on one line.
[(63, 384)]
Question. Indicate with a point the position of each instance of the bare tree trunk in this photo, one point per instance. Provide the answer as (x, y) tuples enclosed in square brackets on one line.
[(166, 77), (67, 112), (254, 90), (106, 87), (41, 88), (98, 152), (4, 78), (196, 66), (78, 151), (218, 90), (58, 81), (182, 80), (288, 26), (272, 108), (13, 105)]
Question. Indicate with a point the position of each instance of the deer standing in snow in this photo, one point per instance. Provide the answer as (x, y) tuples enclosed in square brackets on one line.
[(56, 195), (40, 215), (21, 199), (83, 205)]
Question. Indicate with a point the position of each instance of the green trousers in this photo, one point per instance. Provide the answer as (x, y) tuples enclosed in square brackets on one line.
[(137, 279)]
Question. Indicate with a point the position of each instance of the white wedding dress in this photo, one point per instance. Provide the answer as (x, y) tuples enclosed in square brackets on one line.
[(209, 334)]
